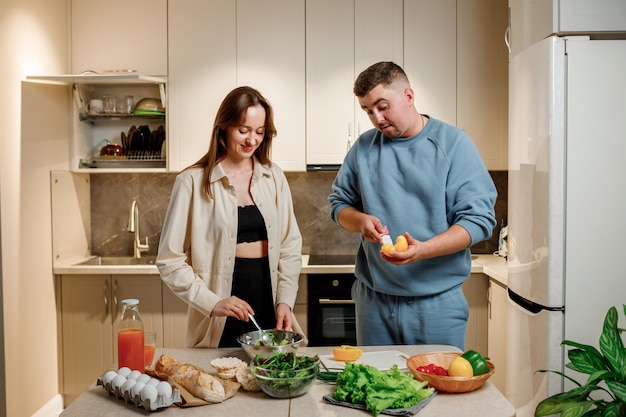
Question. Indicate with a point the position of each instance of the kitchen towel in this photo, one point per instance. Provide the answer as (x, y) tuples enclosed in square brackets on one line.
[(389, 411)]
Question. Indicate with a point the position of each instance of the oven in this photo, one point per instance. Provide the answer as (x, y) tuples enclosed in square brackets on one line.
[(330, 310)]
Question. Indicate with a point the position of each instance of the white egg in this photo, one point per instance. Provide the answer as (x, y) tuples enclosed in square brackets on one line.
[(143, 378), (165, 389), (134, 374), (108, 377), (153, 381), (128, 385), (149, 393), (118, 381), (124, 371), (136, 389)]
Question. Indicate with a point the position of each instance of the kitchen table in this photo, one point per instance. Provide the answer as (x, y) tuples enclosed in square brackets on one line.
[(484, 402)]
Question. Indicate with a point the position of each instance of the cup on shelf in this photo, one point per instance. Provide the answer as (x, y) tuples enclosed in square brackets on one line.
[(95, 106), (110, 104), (127, 104)]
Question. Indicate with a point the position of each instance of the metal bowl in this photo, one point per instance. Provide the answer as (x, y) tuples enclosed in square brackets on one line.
[(248, 342)]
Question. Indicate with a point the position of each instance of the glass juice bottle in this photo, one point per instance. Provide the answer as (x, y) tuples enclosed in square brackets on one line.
[(130, 338)]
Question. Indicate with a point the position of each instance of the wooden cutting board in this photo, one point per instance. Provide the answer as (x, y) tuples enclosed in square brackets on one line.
[(382, 360)]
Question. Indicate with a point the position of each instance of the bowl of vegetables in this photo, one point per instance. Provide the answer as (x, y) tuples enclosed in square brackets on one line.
[(285, 375), (267, 342), (435, 368)]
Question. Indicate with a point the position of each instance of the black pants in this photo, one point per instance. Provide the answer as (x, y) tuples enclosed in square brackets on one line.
[(252, 283)]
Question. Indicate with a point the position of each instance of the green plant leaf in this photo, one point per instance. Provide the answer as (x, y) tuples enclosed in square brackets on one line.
[(590, 350), (618, 389), (585, 362), (614, 409), (611, 344), (602, 375), (566, 409)]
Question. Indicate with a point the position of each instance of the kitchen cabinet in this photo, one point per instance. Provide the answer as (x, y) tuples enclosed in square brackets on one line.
[(300, 307), (90, 132), (482, 78), (272, 63), (90, 310), (475, 290), (430, 45), (119, 35), (339, 45), (498, 327)]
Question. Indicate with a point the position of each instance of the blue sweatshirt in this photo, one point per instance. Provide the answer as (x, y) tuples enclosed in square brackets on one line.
[(422, 185)]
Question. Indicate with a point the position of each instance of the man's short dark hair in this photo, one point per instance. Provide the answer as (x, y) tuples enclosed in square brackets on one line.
[(384, 73)]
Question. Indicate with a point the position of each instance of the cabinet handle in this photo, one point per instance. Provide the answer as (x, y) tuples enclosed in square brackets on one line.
[(114, 298), (350, 138), (489, 292), (507, 33), (106, 298), (328, 301)]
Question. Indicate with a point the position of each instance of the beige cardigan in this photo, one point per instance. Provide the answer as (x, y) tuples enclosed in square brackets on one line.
[(196, 253)]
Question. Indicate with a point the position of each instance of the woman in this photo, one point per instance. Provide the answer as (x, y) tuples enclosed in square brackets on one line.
[(230, 245)]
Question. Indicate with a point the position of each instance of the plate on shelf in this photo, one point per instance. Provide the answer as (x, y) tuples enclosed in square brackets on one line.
[(382, 360)]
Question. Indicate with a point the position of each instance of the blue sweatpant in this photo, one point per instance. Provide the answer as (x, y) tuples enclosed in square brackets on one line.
[(383, 319)]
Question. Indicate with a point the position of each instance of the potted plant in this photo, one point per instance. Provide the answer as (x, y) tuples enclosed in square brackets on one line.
[(607, 373)]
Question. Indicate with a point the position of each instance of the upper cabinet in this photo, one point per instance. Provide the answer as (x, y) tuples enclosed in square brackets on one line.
[(202, 70), (118, 35), (339, 45), (430, 44), (482, 78), (209, 60)]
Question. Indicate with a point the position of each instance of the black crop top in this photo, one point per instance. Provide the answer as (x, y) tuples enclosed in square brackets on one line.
[(251, 226)]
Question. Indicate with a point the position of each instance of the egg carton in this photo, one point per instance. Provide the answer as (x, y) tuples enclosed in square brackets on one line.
[(139, 389)]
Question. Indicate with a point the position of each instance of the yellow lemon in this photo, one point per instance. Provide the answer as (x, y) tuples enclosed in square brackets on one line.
[(401, 244), (460, 367), (387, 248)]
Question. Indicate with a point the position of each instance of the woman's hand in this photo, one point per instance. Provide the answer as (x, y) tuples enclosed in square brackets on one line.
[(232, 307), (284, 320)]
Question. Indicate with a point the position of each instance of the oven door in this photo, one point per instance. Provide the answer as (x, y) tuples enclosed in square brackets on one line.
[(331, 314)]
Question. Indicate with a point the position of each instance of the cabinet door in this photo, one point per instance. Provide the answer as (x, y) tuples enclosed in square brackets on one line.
[(430, 56), (274, 64), (87, 339), (119, 35), (482, 76), (339, 45), (475, 290), (202, 70), (145, 288), (498, 325)]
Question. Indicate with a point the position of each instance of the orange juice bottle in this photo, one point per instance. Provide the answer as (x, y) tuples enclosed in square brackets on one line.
[(130, 343)]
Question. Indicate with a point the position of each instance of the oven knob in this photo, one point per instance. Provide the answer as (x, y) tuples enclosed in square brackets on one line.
[(335, 283)]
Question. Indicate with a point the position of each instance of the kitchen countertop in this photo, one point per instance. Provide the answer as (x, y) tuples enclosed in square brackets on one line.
[(491, 265), (96, 402)]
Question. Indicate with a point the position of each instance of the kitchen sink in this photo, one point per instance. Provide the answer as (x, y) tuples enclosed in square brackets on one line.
[(119, 260)]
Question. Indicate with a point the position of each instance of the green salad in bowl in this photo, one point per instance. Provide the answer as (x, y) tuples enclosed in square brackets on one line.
[(285, 375)]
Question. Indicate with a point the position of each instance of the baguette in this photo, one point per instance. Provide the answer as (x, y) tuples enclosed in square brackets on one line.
[(199, 383)]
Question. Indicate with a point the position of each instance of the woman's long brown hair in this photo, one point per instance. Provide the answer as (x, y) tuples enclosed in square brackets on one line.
[(231, 113)]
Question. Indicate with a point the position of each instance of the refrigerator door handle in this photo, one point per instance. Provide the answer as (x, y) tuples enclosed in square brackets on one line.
[(531, 306)]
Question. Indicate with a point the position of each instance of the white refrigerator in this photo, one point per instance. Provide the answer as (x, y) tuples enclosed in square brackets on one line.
[(566, 206)]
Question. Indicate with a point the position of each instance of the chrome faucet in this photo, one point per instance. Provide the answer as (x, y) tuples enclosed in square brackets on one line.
[(133, 227)]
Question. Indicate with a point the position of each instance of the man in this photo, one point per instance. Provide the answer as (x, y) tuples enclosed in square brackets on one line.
[(420, 177)]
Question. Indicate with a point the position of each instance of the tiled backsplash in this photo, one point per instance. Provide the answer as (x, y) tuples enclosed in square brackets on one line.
[(112, 195)]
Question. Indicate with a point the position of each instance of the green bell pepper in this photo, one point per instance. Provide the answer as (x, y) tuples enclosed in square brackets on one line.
[(478, 362)]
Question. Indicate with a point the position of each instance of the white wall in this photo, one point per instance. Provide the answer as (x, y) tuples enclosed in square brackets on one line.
[(33, 40)]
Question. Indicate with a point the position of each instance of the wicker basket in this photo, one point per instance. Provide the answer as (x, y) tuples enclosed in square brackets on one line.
[(445, 383)]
